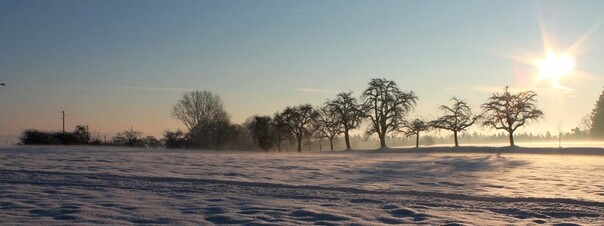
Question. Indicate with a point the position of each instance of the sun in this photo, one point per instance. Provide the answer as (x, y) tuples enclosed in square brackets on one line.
[(554, 66)]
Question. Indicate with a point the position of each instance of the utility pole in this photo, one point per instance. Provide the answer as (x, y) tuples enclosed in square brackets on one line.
[(63, 117)]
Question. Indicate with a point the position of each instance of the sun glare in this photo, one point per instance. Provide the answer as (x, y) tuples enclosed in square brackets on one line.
[(557, 62), (554, 66)]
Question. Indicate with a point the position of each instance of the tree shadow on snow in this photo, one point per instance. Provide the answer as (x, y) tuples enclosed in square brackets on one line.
[(437, 170)]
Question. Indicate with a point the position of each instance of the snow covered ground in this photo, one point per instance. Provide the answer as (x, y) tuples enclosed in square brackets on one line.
[(92, 185)]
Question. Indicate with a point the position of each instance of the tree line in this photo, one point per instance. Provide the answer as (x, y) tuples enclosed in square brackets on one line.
[(82, 136), (382, 104)]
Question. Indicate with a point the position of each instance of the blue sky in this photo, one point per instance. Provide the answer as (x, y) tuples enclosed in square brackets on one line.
[(119, 64)]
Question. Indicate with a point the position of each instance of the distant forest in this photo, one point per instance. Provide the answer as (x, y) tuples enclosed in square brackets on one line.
[(382, 108)]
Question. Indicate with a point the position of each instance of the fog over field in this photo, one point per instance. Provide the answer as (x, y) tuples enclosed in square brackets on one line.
[(63, 185)]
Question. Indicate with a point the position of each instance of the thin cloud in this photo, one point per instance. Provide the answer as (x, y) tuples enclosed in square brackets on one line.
[(149, 88), (242, 93), (451, 88), (494, 89), (140, 88), (513, 89), (499, 89), (295, 10), (311, 90), (157, 89), (478, 88)]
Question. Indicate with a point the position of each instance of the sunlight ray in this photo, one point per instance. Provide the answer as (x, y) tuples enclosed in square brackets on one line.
[(575, 47)]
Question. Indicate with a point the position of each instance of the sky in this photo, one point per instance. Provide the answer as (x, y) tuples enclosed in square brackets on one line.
[(114, 64)]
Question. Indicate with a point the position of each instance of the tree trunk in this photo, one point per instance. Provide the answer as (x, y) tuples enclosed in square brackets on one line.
[(382, 140), (320, 146), (279, 142), (299, 143), (309, 144), (347, 138), (455, 135), (331, 143), (512, 139), (417, 140)]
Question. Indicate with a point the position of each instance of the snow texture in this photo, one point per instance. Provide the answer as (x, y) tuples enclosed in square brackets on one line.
[(120, 186)]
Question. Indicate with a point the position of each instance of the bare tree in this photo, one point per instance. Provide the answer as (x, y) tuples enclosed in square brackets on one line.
[(458, 116), (176, 139), (300, 120), (261, 131), (414, 128), (203, 114), (197, 107), (151, 141), (511, 111), (281, 130), (328, 125), (386, 106), (128, 137), (587, 122), (347, 111), (82, 134)]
